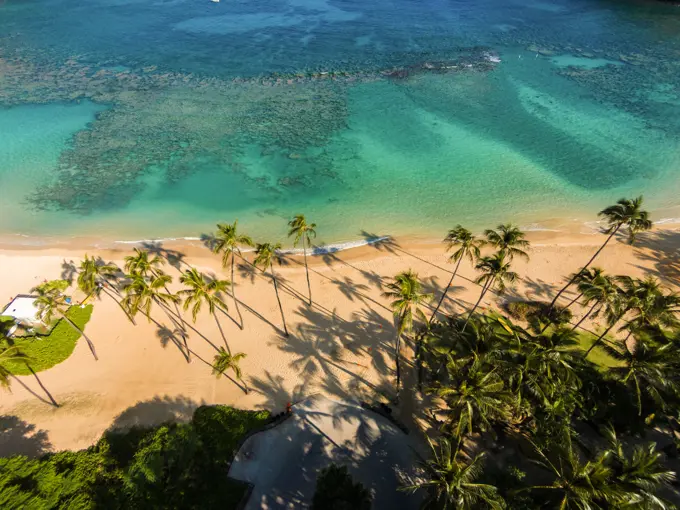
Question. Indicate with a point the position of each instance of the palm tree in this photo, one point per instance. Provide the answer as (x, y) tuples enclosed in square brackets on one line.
[(601, 291), (406, 292), (586, 275), (475, 397), (9, 354), (94, 276), (647, 368), (228, 242), (224, 361), (495, 273), (468, 247), (509, 240), (203, 290), (265, 254), (625, 212), (140, 263), (653, 309), (639, 474), (455, 482), (302, 231), (51, 302), (576, 485)]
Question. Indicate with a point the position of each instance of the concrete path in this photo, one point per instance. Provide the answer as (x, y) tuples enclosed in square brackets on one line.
[(283, 462)]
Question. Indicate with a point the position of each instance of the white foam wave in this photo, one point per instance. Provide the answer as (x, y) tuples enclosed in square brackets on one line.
[(335, 247), (160, 240)]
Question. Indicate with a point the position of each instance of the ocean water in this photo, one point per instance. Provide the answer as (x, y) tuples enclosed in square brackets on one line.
[(130, 119)]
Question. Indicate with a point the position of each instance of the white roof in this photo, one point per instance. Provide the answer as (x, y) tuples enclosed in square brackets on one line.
[(23, 309)]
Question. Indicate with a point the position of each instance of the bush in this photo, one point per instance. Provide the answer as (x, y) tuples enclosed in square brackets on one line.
[(538, 313), (335, 490), (173, 466)]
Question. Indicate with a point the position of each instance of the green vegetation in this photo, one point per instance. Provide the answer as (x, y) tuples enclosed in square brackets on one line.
[(172, 466), (336, 490), (44, 352)]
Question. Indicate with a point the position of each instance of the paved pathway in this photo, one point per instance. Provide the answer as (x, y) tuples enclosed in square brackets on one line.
[(283, 462)]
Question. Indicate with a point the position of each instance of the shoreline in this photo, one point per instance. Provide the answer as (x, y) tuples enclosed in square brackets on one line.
[(535, 232)]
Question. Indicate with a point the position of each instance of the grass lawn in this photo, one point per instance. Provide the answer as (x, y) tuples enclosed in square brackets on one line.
[(598, 355), (46, 351)]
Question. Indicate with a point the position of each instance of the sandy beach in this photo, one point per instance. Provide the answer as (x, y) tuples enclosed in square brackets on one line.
[(341, 346)]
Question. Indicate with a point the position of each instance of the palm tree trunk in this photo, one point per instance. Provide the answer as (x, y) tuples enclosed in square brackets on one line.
[(446, 290), (233, 293), (484, 289), (309, 287), (398, 364), (573, 279), (132, 319), (89, 342), (574, 301), (276, 289), (588, 313), (599, 339)]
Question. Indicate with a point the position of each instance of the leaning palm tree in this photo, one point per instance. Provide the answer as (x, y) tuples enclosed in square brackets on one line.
[(468, 247), (200, 290), (224, 361), (653, 309), (228, 242), (600, 292), (625, 212), (576, 484), (50, 302), (9, 354), (303, 231), (405, 291), (451, 482), (265, 254), (142, 263), (495, 273), (647, 368), (93, 278), (509, 240), (584, 276)]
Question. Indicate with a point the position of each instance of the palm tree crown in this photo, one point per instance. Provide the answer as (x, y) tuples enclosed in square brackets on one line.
[(406, 292), (509, 240), (202, 290), (627, 212), (228, 241)]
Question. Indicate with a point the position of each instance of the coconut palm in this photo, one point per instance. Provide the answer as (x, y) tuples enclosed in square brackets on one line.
[(50, 302), (452, 482), (639, 474), (475, 397), (509, 240), (9, 354), (576, 484), (228, 242), (405, 291), (584, 276), (468, 247), (93, 278), (599, 292), (224, 361), (202, 290), (303, 231), (265, 254), (626, 212), (144, 264), (495, 273), (652, 308), (647, 368)]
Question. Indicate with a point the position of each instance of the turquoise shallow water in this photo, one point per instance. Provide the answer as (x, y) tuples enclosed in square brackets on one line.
[(122, 119)]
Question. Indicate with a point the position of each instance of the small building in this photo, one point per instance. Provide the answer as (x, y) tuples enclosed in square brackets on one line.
[(25, 314)]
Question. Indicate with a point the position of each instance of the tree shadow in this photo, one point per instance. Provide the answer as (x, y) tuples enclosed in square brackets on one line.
[(156, 411), (273, 389), (209, 240), (372, 277), (662, 250), (381, 243), (68, 271), (174, 336), (174, 257), (20, 438)]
